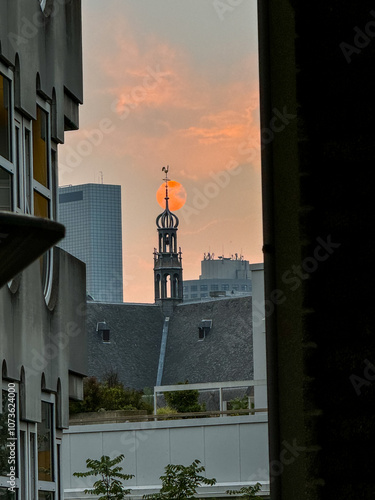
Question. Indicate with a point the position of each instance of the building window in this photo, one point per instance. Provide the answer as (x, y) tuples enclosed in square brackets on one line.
[(9, 456), (204, 288), (5, 118), (6, 167), (214, 288), (46, 495), (5, 190), (194, 288), (41, 164), (194, 295), (235, 287), (186, 289), (6, 494), (41, 148), (45, 443), (204, 295), (244, 288), (225, 287)]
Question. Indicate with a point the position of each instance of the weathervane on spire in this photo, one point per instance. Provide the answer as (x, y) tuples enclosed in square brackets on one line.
[(166, 170)]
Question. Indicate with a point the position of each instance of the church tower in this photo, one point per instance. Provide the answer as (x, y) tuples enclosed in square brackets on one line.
[(167, 260)]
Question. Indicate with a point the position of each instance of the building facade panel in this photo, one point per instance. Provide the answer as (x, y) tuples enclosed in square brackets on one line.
[(92, 216)]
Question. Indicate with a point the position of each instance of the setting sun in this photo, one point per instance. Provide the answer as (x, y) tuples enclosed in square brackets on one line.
[(176, 193)]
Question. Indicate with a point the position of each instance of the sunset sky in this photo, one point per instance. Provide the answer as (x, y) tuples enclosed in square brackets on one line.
[(172, 82)]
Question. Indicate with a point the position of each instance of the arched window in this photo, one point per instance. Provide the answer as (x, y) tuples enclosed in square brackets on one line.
[(157, 287), (168, 286)]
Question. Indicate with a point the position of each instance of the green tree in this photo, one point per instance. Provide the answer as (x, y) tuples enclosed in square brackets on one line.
[(247, 492), (183, 401), (109, 486), (180, 482), (91, 397)]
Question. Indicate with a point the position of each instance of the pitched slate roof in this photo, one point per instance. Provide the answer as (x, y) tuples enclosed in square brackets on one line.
[(135, 337), (226, 353)]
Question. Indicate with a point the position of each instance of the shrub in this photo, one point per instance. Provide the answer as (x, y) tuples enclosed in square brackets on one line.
[(183, 401), (166, 410), (109, 396)]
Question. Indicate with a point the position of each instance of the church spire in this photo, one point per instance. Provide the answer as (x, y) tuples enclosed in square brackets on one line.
[(167, 219), (167, 260)]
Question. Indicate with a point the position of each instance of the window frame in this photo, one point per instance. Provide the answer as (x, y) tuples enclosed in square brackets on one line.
[(5, 164), (4, 479), (37, 187), (49, 486)]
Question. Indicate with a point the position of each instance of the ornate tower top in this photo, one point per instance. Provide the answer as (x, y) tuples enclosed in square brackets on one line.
[(167, 259), (167, 219)]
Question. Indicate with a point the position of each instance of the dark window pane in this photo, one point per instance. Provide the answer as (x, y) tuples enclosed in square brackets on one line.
[(41, 205), (5, 190), (7, 494), (28, 173), (40, 151), (5, 149), (45, 464), (45, 495), (18, 169)]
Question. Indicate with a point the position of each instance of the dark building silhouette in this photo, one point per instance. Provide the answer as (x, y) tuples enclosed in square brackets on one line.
[(318, 157)]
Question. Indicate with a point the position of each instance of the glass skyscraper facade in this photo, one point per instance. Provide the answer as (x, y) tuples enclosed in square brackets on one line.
[(91, 214)]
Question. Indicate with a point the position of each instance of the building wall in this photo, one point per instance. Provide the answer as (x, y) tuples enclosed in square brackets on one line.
[(43, 356), (232, 449), (92, 216), (42, 310), (318, 181), (225, 267), (28, 43), (230, 276), (211, 288)]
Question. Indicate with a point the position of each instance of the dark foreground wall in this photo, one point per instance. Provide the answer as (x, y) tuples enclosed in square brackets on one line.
[(318, 158)]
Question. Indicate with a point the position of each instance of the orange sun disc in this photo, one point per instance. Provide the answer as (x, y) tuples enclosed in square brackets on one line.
[(176, 193)]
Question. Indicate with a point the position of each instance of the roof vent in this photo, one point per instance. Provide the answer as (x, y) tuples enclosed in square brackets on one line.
[(204, 328)]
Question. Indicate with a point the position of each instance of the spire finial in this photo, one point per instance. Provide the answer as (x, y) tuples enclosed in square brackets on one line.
[(167, 219), (166, 170)]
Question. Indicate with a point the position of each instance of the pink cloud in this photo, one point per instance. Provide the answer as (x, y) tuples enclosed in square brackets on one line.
[(161, 104)]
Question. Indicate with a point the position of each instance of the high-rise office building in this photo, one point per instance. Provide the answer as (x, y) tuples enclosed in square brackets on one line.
[(92, 216)]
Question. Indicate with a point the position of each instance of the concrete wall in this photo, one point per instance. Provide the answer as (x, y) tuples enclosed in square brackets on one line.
[(40, 341), (232, 449), (225, 268), (46, 52)]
